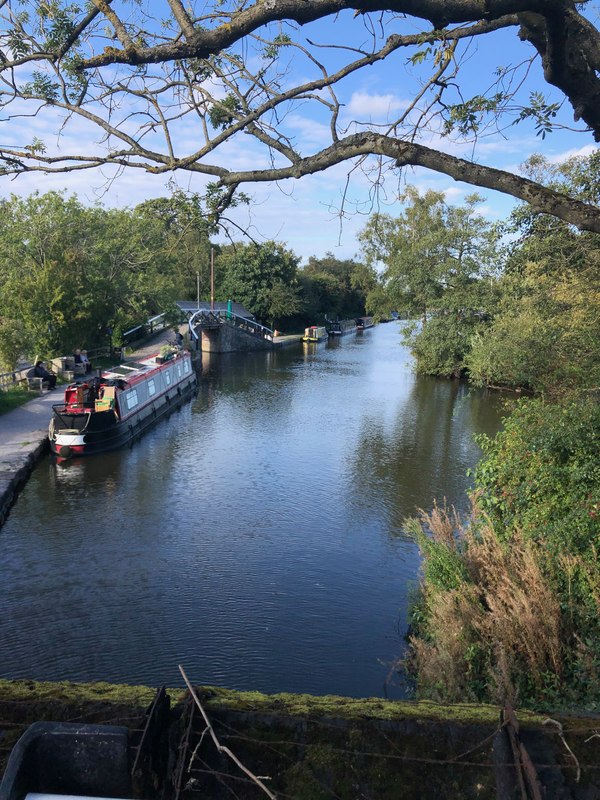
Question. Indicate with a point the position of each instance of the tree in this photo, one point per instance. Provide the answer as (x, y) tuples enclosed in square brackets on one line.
[(335, 288), (544, 330), (140, 84), (182, 231), (263, 278), (438, 260), (412, 248), (544, 333), (67, 271)]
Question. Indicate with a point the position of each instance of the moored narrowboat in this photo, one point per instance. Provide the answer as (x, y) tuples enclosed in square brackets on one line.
[(341, 327), (315, 333), (362, 323), (109, 411)]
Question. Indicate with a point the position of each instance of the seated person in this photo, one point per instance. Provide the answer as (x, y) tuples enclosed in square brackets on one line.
[(80, 357), (40, 371), (86, 362)]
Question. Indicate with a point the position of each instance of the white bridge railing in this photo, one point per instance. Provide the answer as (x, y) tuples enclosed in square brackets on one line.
[(211, 319)]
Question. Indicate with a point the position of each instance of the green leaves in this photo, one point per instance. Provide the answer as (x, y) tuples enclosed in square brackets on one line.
[(541, 112), (42, 86), (437, 258), (37, 147), (272, 49), (67, 270), (541, 474), (223, 113), (263, 278), (468, 117)]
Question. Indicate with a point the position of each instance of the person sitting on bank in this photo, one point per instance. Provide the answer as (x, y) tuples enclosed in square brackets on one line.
[(86, 362), (40, 371), (80, 357)]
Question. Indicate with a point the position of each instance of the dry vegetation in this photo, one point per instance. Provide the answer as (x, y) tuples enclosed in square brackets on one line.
[(490, 623)]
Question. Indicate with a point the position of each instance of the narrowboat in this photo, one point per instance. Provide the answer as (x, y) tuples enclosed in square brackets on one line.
[(109, 411), (315, 333), (362, 323), (341, 327)]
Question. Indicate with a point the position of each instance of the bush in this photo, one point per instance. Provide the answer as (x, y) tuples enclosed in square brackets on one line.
[(441, 345), (541, 474), (510, 598)]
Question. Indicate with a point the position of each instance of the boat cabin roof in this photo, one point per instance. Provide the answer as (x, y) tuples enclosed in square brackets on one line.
[(133, 371)]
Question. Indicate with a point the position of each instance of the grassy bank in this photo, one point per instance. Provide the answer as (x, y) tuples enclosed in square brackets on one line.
[(13, 398)]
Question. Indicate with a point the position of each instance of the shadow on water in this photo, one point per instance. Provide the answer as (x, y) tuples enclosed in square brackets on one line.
[(254, 536)]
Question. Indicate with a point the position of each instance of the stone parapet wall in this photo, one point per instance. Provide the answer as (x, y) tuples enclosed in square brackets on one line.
[(228, 339), (313, 748)]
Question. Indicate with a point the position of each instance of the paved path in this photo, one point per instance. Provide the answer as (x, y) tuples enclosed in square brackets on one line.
[(23, 440)]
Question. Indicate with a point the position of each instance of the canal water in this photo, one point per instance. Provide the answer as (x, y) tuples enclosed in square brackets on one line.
[(256, 536)]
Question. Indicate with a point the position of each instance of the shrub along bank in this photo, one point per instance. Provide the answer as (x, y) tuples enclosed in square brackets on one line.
[(510, 597)]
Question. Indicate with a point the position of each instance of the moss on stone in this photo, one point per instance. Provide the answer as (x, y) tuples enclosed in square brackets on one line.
[(77, 693), (350, 708), (304, 705)]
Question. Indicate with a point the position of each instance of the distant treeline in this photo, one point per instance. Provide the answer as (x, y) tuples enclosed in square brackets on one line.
[(73, 275)]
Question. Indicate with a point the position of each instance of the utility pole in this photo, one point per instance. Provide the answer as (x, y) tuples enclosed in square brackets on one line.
[(212, 278), (198, 291)]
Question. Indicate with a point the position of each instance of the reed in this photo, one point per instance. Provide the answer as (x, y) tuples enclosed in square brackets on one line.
[(495, 619)]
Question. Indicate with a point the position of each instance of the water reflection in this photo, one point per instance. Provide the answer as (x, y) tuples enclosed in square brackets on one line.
[(424, 452), (252, 536)]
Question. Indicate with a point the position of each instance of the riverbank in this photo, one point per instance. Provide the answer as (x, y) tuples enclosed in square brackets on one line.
[(23, 441), (310, 748)]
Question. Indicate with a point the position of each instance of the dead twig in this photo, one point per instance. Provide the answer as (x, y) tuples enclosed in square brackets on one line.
[(221, 748), (559, 730)]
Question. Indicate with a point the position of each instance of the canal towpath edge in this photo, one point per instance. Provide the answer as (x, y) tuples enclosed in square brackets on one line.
[(23, 441)]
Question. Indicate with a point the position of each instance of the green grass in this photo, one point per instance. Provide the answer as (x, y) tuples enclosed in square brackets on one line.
[(13, 398)]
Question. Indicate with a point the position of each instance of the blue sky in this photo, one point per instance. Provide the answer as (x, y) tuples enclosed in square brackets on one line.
[(305, 214)]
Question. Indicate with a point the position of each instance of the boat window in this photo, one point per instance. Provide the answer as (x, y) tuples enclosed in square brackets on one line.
[(151, 387), (186, 366), (179, 370), (168, 377), (132, 399)]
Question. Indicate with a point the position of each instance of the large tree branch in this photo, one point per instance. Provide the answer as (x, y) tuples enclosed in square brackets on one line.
[(360, 145), (542, 199), (204, 43), (570, 49)]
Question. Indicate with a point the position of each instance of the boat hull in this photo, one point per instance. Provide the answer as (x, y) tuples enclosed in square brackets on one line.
[(316, 333), (341, 327), (362, 323)]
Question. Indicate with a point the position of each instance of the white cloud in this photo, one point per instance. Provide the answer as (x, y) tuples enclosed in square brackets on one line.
[(575, 152), (313, 133), (373, 106)]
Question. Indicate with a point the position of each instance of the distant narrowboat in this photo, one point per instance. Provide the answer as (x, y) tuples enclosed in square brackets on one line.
[(109, 411), (341, 327), (364, 322), (315, 333)]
